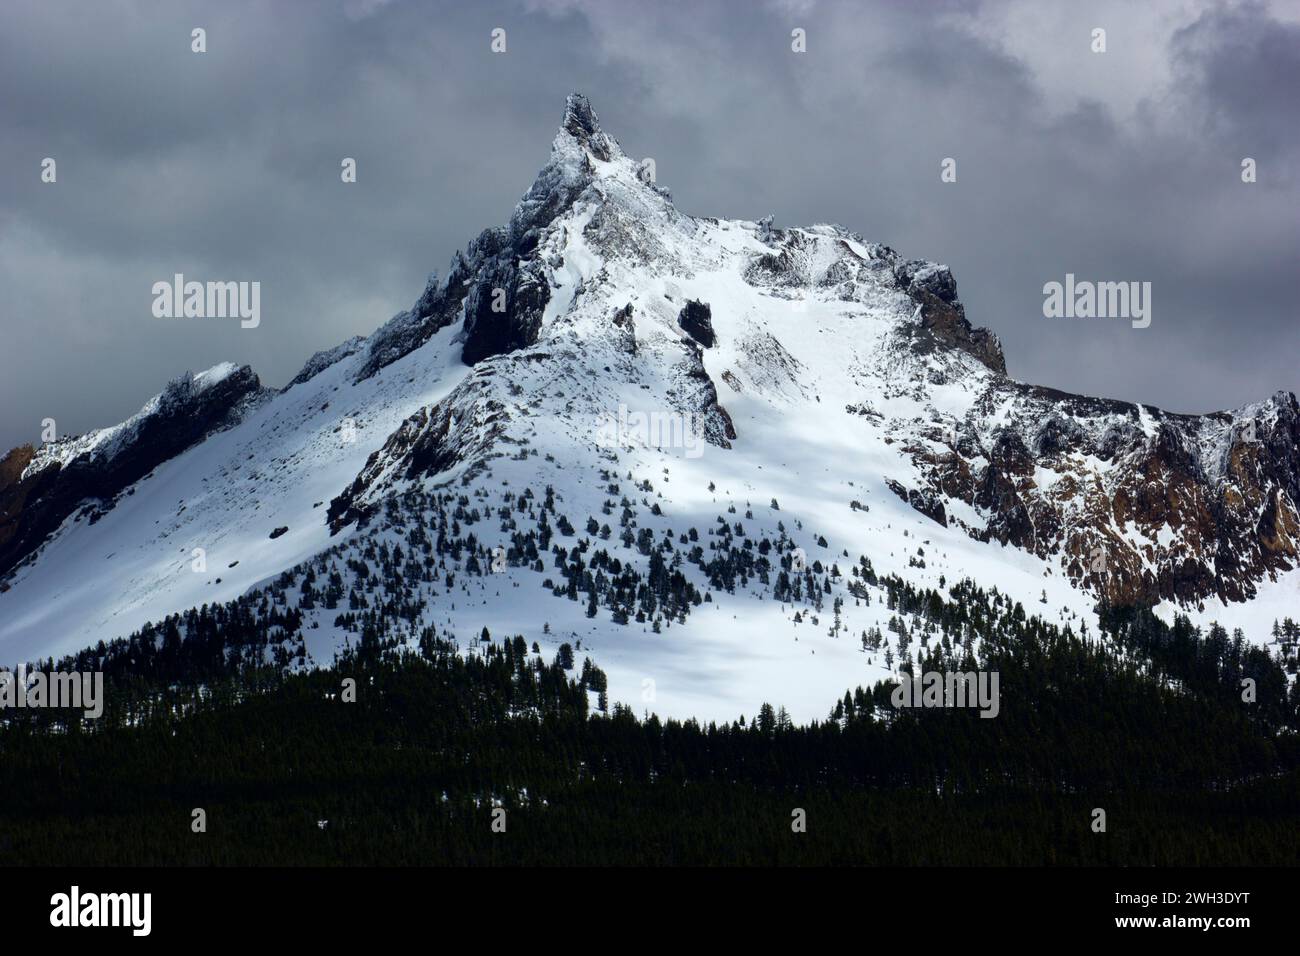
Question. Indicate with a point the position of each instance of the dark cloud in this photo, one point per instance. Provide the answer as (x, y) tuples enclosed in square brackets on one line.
[(1243, 70), (226, 165)]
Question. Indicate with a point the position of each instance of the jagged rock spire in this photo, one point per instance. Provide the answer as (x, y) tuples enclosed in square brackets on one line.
[(580, 122), (579, 141)]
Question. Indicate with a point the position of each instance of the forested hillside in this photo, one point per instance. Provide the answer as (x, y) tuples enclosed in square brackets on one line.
[(405, 766)]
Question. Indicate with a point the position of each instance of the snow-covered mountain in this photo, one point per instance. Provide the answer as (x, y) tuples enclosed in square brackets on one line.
[(618, 395)]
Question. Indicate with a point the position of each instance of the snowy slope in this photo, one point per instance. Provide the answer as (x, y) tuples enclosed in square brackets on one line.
[(277, 468)]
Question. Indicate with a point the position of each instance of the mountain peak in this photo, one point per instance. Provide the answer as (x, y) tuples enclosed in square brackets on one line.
[(580, 123), (578, 146), (542, 362)]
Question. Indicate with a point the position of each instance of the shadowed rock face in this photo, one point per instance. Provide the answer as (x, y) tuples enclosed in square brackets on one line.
[(438, 307), (696, 320), (927, 503), (942, 315), (498, 284), (461, 428), (520, 292), (33, 507)]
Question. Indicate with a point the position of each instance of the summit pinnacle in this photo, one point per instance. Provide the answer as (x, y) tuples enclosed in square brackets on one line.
[(581, 123)]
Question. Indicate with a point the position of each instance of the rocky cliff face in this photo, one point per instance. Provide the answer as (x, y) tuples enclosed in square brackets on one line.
[(498, 286), (1137, 504), (86, 474)]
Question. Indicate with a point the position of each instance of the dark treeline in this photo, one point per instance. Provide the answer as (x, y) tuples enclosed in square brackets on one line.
[(1145, 721)]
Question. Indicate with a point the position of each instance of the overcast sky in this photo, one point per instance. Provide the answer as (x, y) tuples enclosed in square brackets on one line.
[(224, 165)]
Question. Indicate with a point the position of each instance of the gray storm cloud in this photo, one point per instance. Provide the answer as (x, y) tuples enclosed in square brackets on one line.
[(225, 166)]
